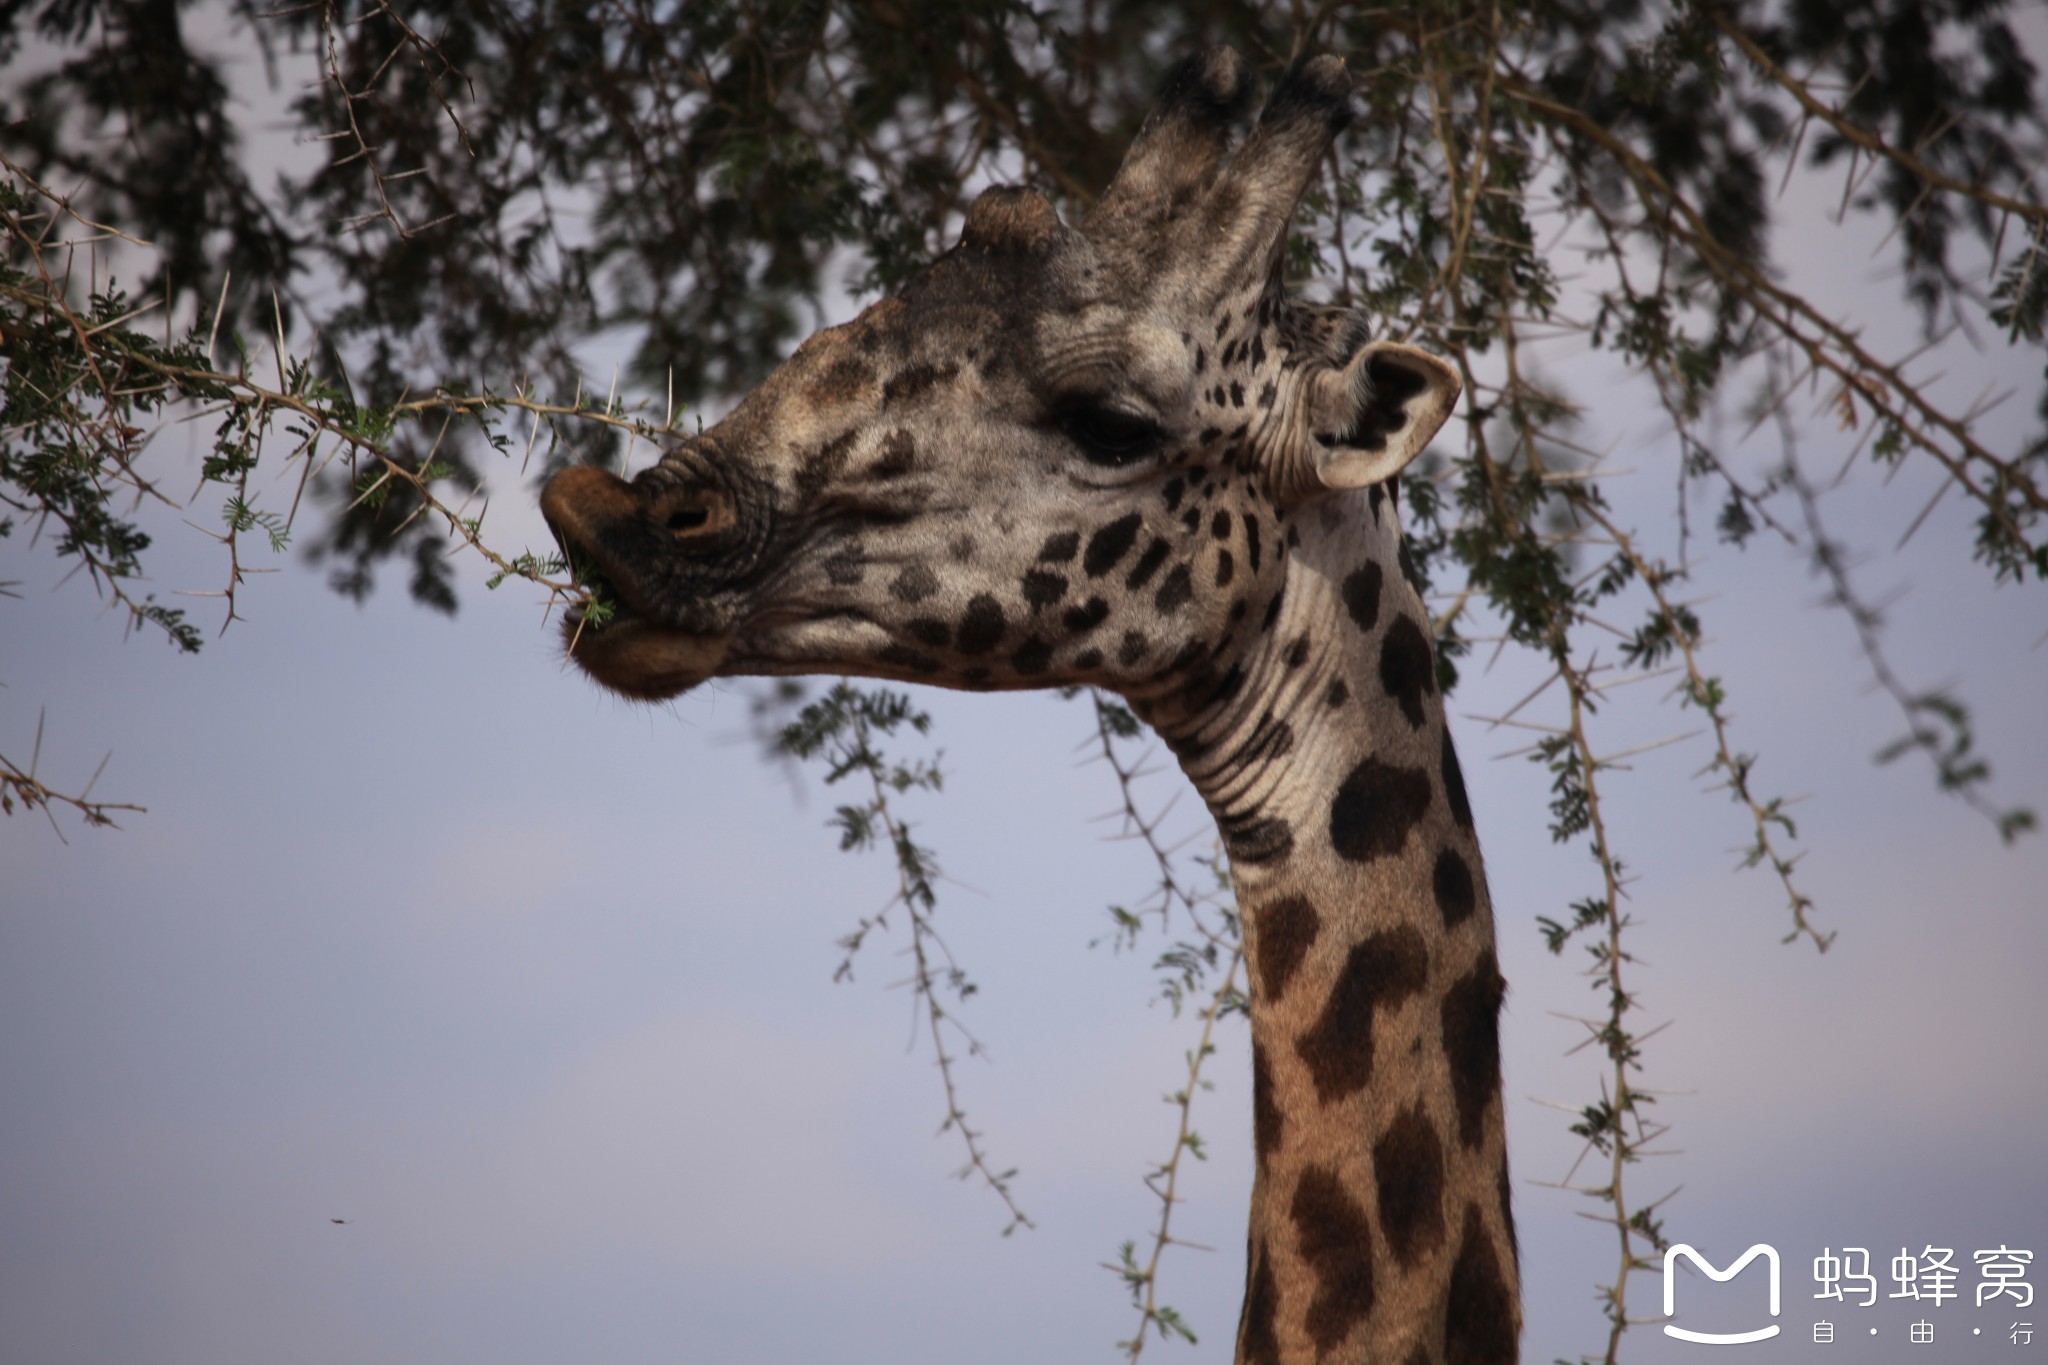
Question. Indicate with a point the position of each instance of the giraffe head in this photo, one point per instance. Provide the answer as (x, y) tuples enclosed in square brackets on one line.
[(1057, 455)]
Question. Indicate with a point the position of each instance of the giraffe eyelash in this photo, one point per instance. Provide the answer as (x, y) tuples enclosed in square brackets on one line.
[(1110, 436)]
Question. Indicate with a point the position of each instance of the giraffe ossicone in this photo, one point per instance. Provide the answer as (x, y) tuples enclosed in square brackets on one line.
[(1117, 454)]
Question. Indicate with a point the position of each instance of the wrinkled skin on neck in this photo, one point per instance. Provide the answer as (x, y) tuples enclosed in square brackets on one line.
[(1117, 455)]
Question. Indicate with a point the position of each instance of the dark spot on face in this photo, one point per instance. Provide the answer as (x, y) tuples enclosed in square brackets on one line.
[(962, 549), (899, 455), (1297, 653), (1336, 1241), (1108, 546), (1480, 1320), (1060, 548), (1258, 1334), (1268, 1123), (981, 627), (825, 464), (1258, 840), (1088, 660), (1338, 694), (1408, 1167), (1258, 344), (1375, 808), (902, 656), (1175, 487), (1080, 620), (1471, 1022), (1131, 649), (840, 382), (1285, 931), (1267, 393), (1176, 592), (1227, 690), (1191, 519), (931, 633), (1251, 540), (915, 583), (1407, 670), (1362, 595), (1148, 564), (1042, 588), (1455, 897), (1219, 526), (914, 381), (1374, 496), (1236, 394), (1226, 568), (1210, 435), (846, 567), (1454, 783), (1032, 658), (1379, 973)]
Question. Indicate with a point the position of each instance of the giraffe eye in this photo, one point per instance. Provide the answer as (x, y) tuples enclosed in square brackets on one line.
[(1108, 436)]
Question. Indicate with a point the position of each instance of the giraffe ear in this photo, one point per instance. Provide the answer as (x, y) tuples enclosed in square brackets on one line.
[(1383, 409)]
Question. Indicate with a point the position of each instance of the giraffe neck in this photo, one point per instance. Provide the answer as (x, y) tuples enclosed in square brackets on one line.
[(1380, 1229)]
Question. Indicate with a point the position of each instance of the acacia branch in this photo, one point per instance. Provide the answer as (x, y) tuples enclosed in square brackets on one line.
[(19, 784), (1855, 366), (1863, 137), (1164, 1181), (1705, 693)]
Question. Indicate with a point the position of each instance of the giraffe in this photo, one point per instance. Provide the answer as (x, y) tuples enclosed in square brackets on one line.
[(1118, 455)]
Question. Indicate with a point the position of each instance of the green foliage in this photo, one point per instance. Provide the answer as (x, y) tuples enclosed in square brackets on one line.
[(82, 383), (78, 391), (2020, 300)]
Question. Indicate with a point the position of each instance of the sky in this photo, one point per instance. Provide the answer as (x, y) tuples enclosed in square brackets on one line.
[(532, 988)]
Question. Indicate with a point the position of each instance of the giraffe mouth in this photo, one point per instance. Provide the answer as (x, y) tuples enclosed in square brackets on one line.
[(632, 653), (612, 633), (601, 603), (641, 658)]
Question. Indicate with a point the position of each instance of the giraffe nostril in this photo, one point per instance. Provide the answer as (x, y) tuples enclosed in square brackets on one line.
[(686, 514)]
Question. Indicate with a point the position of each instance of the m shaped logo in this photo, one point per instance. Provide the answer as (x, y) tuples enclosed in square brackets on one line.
[(1769, 1253)]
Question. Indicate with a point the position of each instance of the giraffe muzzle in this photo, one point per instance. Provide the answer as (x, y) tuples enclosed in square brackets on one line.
[(616, 536)]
